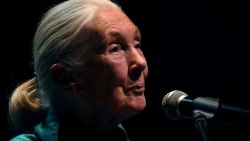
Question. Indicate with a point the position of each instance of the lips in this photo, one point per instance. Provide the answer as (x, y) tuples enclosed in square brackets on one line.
[(136, 88)]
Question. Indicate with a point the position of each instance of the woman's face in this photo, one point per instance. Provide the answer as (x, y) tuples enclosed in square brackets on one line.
[(115, 81)]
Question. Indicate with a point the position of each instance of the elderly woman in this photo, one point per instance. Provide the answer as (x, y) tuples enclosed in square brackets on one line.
[(89, 75)]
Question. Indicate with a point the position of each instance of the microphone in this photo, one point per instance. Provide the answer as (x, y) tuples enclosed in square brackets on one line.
[(178, 105)]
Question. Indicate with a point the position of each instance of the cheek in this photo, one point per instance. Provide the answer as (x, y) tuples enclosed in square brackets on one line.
[(118, 70)]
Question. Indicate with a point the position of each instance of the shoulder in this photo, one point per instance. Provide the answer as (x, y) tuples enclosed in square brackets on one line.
[(25, 137)]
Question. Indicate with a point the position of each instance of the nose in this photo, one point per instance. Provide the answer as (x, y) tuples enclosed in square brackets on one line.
[(137, 63)]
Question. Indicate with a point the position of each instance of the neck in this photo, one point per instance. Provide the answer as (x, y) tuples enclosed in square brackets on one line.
[(102, 123)]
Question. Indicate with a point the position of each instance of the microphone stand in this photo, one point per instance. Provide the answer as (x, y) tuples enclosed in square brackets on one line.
[(205, 108), (201, 124)]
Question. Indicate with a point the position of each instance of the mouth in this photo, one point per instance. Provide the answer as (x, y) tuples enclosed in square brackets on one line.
[(135, 89)]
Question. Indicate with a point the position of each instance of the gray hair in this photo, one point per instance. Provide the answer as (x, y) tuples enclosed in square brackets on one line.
[(53, 43)]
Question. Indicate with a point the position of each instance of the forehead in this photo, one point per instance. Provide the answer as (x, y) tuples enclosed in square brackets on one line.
[(110, 19), (111, 14)]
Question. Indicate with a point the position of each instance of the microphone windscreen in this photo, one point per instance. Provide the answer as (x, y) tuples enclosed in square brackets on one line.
[(170, 103)]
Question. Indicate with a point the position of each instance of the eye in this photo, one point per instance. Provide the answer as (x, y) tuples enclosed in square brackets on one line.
[(138, 45), (114, 48)]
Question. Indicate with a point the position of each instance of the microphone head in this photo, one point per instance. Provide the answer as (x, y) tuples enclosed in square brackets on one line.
[(170, 103)]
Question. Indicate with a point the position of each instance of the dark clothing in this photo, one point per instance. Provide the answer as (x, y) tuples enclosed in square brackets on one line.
[(48, 130)]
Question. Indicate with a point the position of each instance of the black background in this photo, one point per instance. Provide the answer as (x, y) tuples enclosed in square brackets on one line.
[(197, 46)]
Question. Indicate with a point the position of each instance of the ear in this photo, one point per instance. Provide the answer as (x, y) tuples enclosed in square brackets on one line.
[(62, 76)]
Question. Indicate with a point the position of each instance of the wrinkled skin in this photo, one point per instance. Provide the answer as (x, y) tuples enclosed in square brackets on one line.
[(111, 88)]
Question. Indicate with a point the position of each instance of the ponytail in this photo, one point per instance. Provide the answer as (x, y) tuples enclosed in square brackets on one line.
[(24, 106)]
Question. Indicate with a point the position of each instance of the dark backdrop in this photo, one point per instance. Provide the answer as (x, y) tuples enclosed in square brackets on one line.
[(199, 47)]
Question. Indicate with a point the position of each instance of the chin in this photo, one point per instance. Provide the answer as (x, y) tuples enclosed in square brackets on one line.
[(134, 105), (137, 104)]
